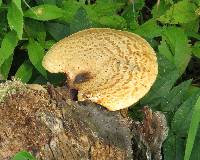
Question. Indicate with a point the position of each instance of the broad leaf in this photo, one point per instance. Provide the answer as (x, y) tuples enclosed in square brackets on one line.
[(184, 115), (138, 5), (70, 8), (15, 17), (196, 148), (8, 45), (4, 28), (5, 68), (196, 49), (114, 21), (181, 12), (169, 1), (149, 29), (191, 90), (23, 155), (164, 49), (193, 129), (53, 2), (102, 11), (173, 148), (80, 21), (192, 26), (44, 12), (160, 9), (35, 29), (36, 54), (24, 72), (58, 30), (95, 11), (106, 8), (131, 18), (49, 44), (0, 3), (175, 97), (179, 46)]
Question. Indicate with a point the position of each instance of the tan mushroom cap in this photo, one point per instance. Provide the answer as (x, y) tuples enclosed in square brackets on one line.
[(121, 65)]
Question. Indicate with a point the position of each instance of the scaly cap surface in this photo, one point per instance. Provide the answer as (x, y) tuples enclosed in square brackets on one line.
[(121, 66)]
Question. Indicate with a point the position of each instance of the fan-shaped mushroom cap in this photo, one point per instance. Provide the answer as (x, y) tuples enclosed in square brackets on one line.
[(120, 66)]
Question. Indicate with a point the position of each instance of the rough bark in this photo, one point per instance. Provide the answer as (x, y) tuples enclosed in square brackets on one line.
[(45, 122), (48, 124)]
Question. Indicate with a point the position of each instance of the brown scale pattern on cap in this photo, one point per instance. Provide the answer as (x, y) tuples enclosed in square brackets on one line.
[(122, 65)]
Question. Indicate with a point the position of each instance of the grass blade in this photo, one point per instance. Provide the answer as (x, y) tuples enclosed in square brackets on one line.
[(193, 130)]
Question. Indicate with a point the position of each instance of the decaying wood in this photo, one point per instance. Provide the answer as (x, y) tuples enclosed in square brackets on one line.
[(150, 134), (45, 122)]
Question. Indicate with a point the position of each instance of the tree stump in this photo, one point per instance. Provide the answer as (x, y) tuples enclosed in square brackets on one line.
[(45, 122)]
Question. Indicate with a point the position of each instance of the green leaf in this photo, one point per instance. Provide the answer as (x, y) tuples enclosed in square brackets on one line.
[(138, 5), (181, 12), (0, 3), (94, 12), (80, 21), (196, 49), (164, 49), (36, 54), (192, 89), (5, 68), (149, 29), (196, 148), (49, 44), (169, 1), (192, 26), (184, 115), (70, 8), (44, 12), (15, 17), (8, 45), (106, 8), (35, 29), (175, 97), (158, 11), (179, 46), (130, 17), (58, 30), (193, 129), (3, 25), (197, 2), (173, 147), (24, 72), (23, 155), (53, 2), (114, 21)]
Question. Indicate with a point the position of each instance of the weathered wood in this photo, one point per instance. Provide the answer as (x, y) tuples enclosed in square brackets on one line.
[(53, 127), (45, 122)]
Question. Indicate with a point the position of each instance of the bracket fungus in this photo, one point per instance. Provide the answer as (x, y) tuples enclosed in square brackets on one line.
[(110, 67)]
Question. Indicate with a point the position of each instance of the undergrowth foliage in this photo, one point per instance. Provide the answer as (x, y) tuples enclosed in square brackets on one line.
[(29, 28)]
